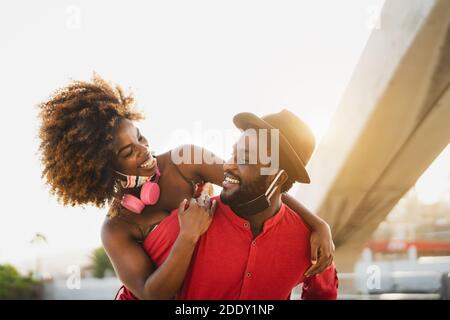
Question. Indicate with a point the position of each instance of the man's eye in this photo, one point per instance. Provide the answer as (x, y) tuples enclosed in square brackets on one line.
[(242, 160), (129, 153)]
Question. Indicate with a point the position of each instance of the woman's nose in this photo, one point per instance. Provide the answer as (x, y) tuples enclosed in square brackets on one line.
[(144, 150)]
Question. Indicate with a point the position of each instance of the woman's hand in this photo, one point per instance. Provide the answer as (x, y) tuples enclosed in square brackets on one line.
[(195, 217), (322, 250)]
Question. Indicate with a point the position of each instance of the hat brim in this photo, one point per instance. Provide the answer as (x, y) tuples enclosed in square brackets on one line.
[(248, 120)]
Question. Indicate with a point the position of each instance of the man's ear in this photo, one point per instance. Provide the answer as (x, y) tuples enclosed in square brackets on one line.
[(283, 178)]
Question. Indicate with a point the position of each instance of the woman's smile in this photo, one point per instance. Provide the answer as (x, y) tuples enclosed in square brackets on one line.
[(148, 167)]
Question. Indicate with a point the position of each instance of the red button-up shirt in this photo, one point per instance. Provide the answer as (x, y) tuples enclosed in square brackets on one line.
[(230, 264)]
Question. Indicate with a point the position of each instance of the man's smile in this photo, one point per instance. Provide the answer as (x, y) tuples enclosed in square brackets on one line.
[(230, 181)]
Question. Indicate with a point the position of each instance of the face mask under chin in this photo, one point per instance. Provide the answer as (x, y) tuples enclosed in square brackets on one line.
[(246, 203)]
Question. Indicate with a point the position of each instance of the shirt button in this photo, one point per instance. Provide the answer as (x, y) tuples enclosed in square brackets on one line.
[(254, 243), (249, 274), (246, 225)]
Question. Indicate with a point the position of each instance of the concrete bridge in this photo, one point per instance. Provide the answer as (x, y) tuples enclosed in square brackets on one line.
[(392, 122)]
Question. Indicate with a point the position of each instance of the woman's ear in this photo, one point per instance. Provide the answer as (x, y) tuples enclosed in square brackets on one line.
[(117, 175)]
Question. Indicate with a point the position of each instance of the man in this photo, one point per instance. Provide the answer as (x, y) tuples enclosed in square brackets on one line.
[(256, 247)]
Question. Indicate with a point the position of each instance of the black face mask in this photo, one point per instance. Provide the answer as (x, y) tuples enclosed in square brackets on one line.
[(259, 203)]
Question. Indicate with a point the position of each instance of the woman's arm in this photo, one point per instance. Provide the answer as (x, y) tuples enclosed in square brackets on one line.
[(135, 268), (211, 171), (322, 246)]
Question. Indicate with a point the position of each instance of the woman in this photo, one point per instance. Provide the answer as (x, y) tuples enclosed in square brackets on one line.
[(93, 154)]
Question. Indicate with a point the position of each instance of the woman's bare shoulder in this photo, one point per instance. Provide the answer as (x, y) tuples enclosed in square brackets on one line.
[(115, 228)]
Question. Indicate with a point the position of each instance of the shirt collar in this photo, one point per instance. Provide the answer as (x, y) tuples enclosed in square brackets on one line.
[(245, 224)]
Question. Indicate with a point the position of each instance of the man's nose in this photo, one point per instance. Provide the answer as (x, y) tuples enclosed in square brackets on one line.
[(230, 165)]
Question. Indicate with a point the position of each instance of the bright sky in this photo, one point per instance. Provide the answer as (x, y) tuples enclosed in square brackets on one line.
[(191, 64), (434, 184)]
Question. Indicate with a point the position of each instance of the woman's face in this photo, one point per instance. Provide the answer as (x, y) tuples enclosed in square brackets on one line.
[(131, 151)]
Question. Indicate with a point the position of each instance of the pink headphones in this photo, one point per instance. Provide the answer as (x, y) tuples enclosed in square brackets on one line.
[(149, 195)]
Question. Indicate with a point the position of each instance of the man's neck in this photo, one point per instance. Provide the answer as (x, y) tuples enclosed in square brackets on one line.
[(257, 220)]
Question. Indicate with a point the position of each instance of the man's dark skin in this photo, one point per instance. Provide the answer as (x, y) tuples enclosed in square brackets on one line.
[(249, 174), (251, 184)]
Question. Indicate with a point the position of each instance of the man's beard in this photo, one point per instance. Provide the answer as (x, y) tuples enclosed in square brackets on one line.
[(245, 192)]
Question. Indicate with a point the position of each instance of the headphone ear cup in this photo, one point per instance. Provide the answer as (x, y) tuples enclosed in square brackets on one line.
[(150, 193), (132, 203)]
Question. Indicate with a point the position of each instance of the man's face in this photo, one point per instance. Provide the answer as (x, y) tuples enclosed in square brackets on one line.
[(243, 180)]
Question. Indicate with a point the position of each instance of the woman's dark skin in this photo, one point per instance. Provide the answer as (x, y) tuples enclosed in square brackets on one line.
[(121, 238)]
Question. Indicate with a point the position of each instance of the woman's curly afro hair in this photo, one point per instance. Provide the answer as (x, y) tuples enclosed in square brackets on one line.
[(78, 125)]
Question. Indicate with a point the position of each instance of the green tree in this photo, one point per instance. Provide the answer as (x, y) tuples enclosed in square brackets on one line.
[(100, 263), (15, 286)]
